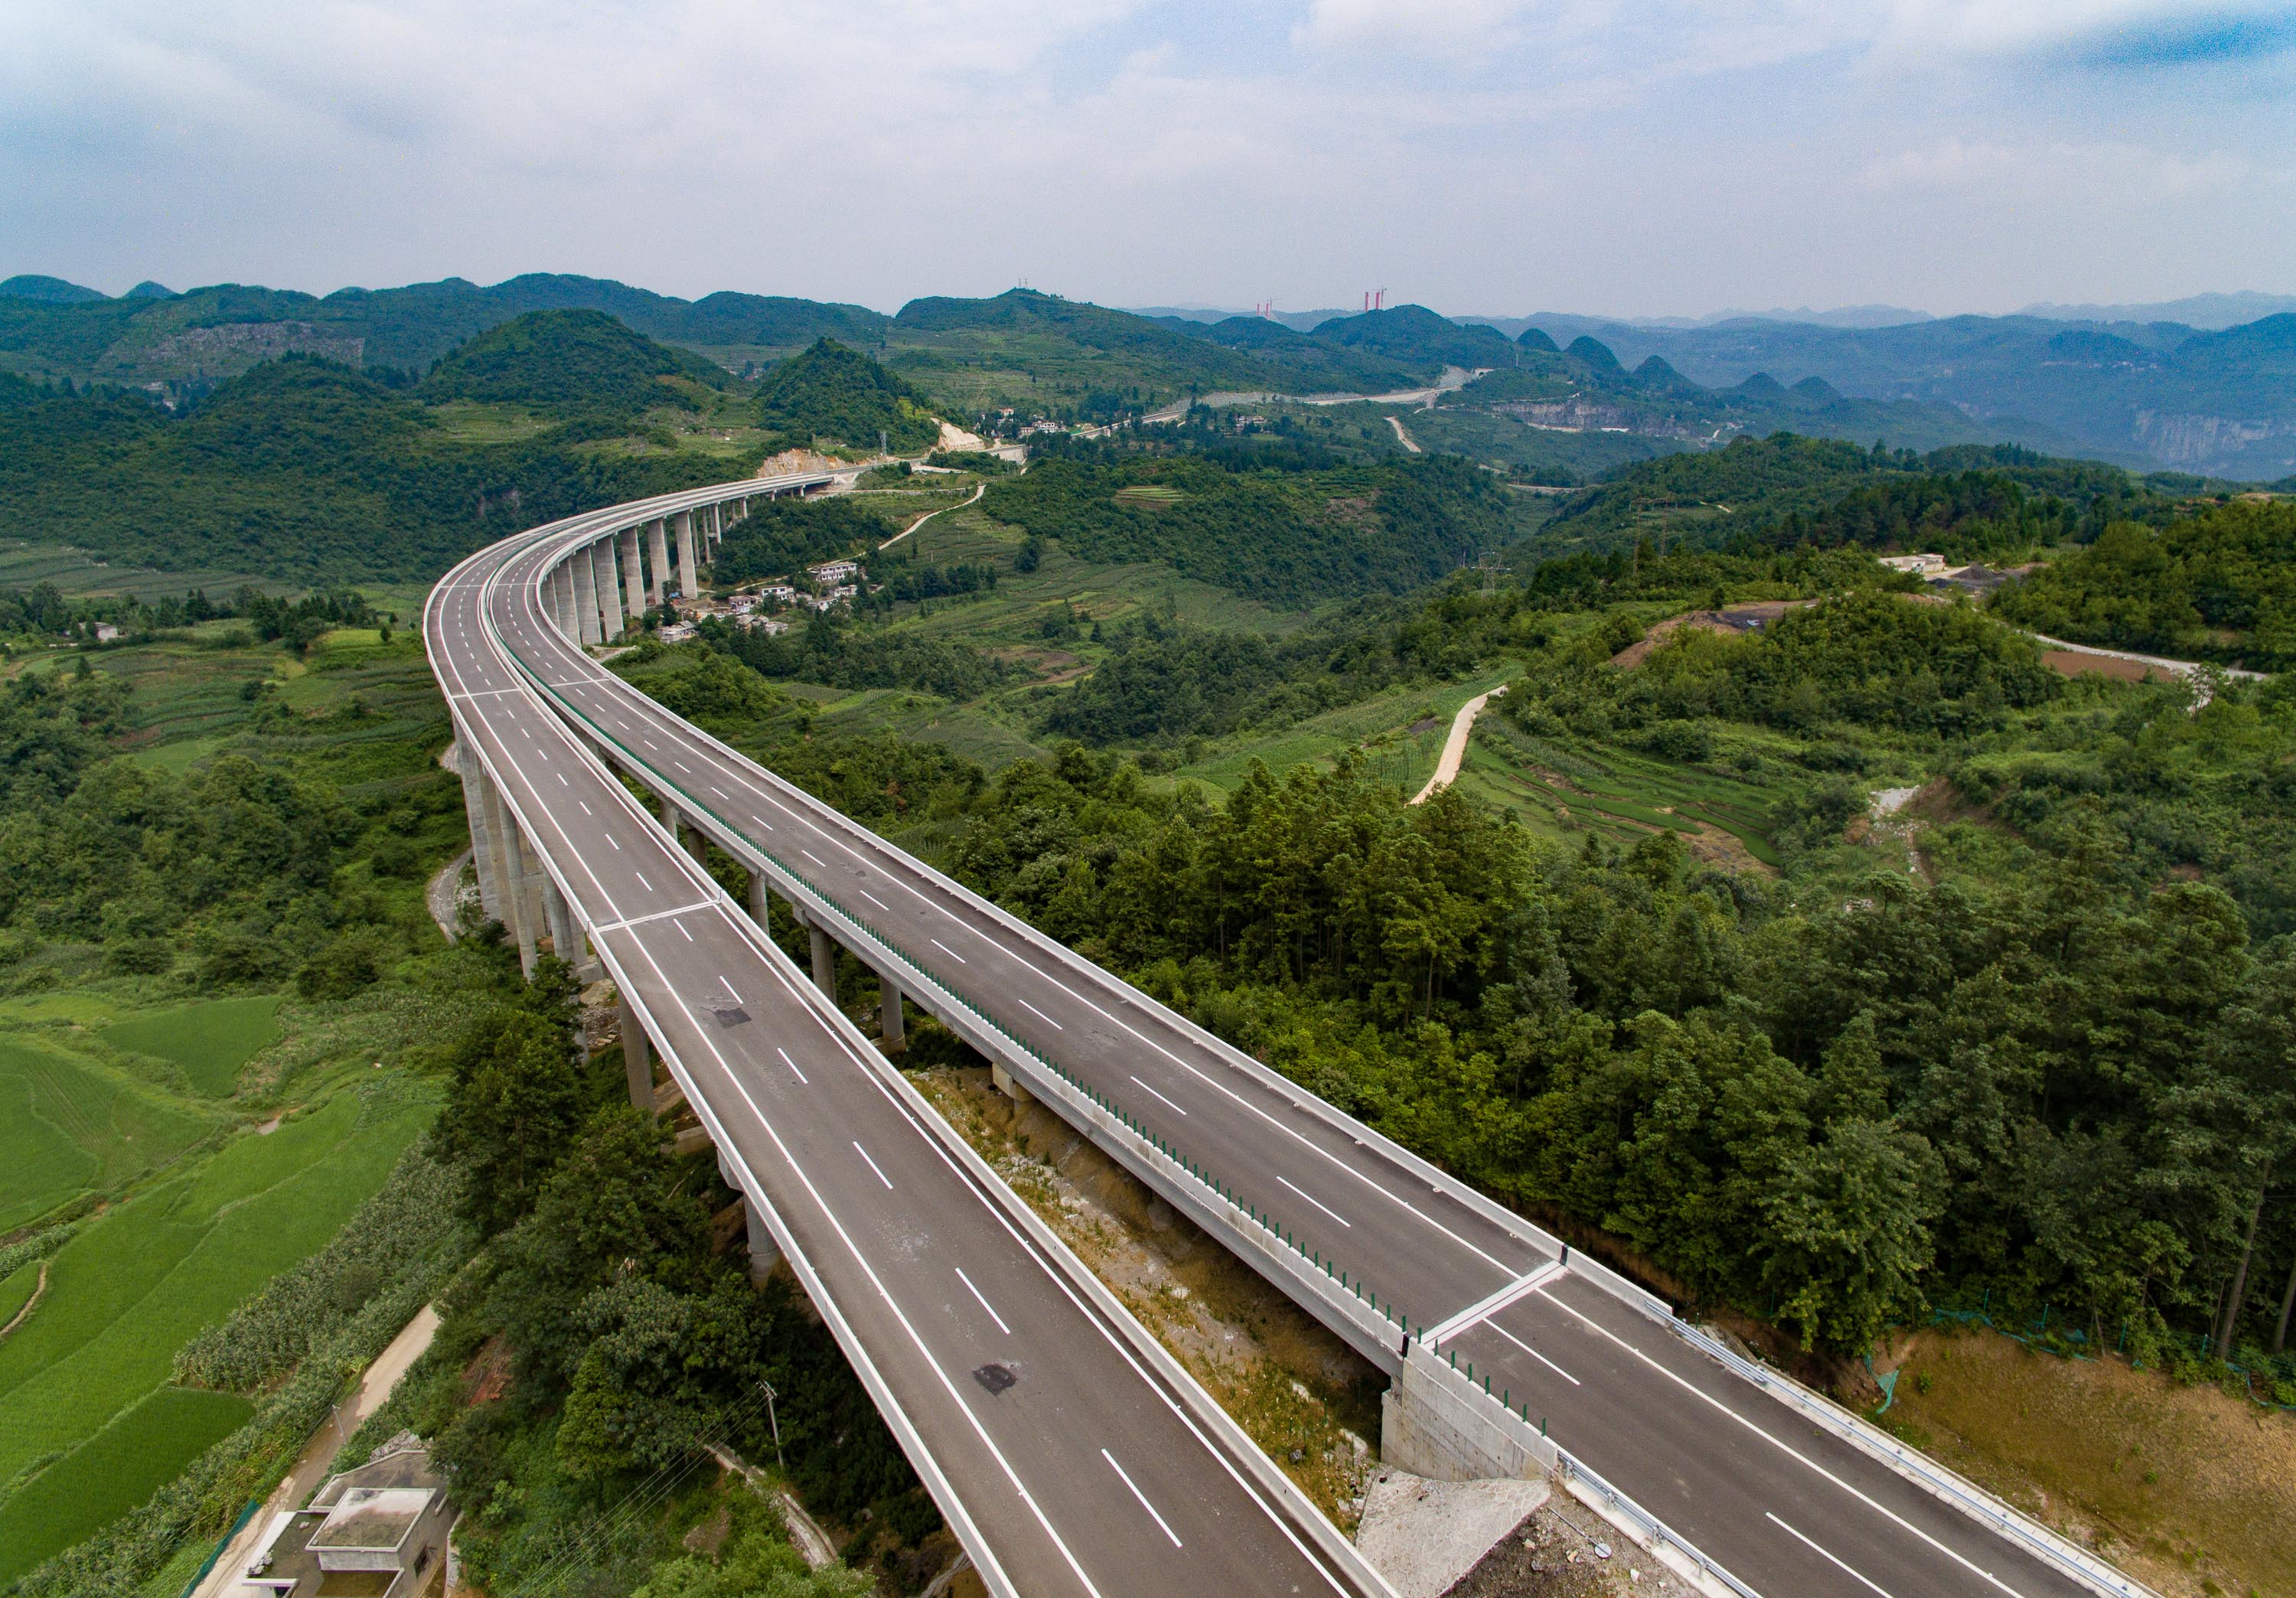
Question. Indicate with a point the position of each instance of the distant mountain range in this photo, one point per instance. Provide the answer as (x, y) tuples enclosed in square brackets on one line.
[(2136, 390)]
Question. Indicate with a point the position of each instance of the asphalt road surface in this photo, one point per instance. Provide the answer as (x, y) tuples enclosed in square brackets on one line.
[(1788, 1509), (1072, 1460)]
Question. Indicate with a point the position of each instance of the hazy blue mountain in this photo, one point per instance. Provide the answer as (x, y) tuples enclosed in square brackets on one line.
[(148, 290), (2211, 313)]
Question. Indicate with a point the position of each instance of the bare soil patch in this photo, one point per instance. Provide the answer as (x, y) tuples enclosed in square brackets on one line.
[(1732, 620), (2071, 663)]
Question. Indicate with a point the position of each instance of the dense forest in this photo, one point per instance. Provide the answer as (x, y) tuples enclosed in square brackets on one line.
[(581, 367), (302, 469), (830, 394), (2218, 587)]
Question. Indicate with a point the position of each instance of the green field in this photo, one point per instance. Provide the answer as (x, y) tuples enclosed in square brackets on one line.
[(17, 1291), (210, 1041), (113, 1473), (1558, 790), (68, 1123), (132, 1286)]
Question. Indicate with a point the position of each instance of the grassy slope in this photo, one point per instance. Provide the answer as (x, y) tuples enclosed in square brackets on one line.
[(70, 1123), (209, 1042)]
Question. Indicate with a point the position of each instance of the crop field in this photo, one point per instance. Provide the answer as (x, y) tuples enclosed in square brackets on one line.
[(209, 1041), (68, 1123), (1557, 790), (75, 572), (132, 1285), (17, 1291), (113, 1473)]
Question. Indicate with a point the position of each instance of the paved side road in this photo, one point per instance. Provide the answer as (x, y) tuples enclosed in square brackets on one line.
[(1454, 747)]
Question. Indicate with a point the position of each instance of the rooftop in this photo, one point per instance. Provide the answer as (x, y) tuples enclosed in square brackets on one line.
[(370, 1516)]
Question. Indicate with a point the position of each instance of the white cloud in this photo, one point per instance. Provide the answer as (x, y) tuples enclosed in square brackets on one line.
[(2122, 175)]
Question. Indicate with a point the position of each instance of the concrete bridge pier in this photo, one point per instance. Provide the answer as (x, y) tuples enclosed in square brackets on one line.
[(632, 574), (696, 842), (658, 547), (601, 556), (563, 941), (892, 1027), (688, 584), (582, 575), (825, 953), (482, 843), (637, 1058), (518, 920)]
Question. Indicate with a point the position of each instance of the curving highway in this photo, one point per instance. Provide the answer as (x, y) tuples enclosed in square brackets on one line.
[(1424, 1276), (1067, 1452)]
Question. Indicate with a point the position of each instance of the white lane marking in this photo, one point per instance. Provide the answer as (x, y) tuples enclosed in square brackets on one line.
[(642, 881), (1522, 1287), (681, 927), (816, 859), (1784, 1449), (610, 838), (858, 1149), (1142, 1085), (586, 808), (681, 766), (1136, 1493), (720, 792), (651, 744), (728, 986), (881, 905), (767, 824), (1536, 1355), (985, 1304), (1827, 1554), (951, 952), (1056, 1026), (792, 1065), (1317, 1202), (562, 783)]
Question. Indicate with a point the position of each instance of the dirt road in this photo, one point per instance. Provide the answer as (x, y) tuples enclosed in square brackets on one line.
[(1454, 747)]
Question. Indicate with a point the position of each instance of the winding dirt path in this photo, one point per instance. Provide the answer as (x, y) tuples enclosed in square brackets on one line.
[(39, 1291), (1454, 747), (978, 490)]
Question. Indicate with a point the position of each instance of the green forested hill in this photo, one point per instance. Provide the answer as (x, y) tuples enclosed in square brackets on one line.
[(301, 469), (2219, 587), (833, 393), (1285, 537), (566, 363), (1786, 488)]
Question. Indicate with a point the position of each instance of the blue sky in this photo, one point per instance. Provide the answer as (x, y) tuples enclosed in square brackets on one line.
[(1482, 156)]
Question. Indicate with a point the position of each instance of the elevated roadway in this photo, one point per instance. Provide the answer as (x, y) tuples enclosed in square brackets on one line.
[(1441, 1287), (1067, 1451)]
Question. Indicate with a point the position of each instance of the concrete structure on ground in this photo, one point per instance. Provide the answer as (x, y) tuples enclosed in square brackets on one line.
[(377, 1531)]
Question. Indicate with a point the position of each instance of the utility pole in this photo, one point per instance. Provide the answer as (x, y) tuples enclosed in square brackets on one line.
[(774, 1421)]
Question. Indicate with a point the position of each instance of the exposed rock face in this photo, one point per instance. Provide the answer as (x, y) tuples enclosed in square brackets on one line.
[(2196, 439), (235, 346)]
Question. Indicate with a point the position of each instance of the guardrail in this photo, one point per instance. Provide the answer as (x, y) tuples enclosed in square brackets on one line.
[(1352, 1324)]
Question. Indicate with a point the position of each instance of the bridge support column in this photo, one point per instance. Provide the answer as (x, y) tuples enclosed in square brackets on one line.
[(765, 1253), (692, 838), (560, 589), (658, 578), (530, 908), (517, 918), (892, 1026), (688, 584), (637, 1058), (761, 900), (584, 576), (601, 556), (824, 962), (633, 587), (482, 843), (716, 525), (564, 942)]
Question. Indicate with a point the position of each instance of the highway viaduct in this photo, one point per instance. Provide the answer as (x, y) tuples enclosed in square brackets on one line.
[(1509, 1354)]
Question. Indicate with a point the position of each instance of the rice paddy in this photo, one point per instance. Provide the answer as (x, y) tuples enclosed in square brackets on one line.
[(209, 1042)]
